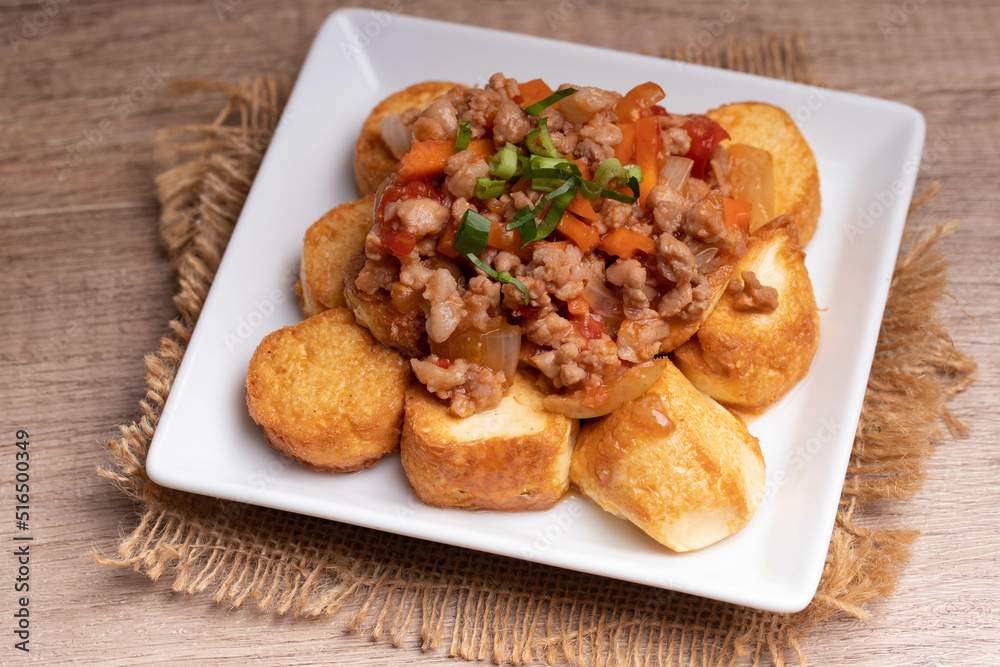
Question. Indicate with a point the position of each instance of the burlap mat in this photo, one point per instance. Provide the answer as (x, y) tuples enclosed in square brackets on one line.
[(480, 606)]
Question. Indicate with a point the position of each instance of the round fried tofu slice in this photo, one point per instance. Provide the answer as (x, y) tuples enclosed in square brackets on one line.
[(796, 177), (373, 161), (513, 457), (405, 332), (326, 393), (673, 462), (330, 243), (747, 357)]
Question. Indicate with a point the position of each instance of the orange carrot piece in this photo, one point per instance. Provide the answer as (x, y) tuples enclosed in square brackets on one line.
[(533, 91), (648, 147), (737, 214), (624, 242), (584, 170), (428, 158), (626, 148), (447, 238), (582, 208), (578, 231), (501, 239)]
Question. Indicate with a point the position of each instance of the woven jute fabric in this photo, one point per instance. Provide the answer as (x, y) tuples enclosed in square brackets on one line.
[(480, 606)]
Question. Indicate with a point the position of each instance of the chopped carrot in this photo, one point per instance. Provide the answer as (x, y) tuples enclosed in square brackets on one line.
[(584, 169), (447, 239), (533, 91), (428, 158), (578, 306), (626, 148), (648, 150), (582, 208), (625, 242), (501, 239), (578, 231), (737, 213)]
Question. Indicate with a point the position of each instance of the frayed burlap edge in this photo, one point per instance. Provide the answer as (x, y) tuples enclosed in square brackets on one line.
[(479, 606)]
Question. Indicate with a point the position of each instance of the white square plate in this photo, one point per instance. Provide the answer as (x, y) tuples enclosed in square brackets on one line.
[(868, 152)]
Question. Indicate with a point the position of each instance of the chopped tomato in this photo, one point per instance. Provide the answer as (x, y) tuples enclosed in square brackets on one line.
[(589, 325), (737, 214), (705, 133), (657, 110), (395, 239), (443, 363), (637, 101), (525, 312)]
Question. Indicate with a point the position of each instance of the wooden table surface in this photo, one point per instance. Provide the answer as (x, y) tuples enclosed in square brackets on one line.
[(85, 292)]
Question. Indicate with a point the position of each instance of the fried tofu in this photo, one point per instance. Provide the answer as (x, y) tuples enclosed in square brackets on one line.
[(373, 161), (796, 177), (673, 462), (405, 332), (513, 457), (326, 393), (329, 245), (748, 359)]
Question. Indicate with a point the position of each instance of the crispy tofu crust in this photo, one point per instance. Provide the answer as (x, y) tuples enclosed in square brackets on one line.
[(373, 161), (330, 243), (404, 332), (796, 178), (749, 360), (673, 462), (514, 457), (326, 393)]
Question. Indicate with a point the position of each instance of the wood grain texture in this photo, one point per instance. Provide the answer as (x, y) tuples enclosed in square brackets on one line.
[(85, 291)]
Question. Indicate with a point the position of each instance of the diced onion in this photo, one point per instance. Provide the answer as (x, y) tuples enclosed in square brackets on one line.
[(633, 384), (395, 134), (751, 173), (675, 172), (605, 303), (705, 256), (497, 349)]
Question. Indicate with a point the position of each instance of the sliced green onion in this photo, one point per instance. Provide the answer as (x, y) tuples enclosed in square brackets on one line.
[(503, 276), (609, 170), (525, 220), (542, 162), (473, 233), (503, 164), (463, 135), (541, 105), (539, 142), (560, 197), (633, 171), (487, 188)]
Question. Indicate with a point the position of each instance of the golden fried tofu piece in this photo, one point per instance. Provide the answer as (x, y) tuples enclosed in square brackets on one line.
[(749, 359), (796, 178), (513, 457), (326, 393), (329, 245), (373, 161), (673, 462), (404, 331)]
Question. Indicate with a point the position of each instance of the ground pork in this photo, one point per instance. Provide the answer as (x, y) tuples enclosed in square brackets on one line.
[(469, 387), (511, 123), (422, 216), (750, 295), (462, 170)]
